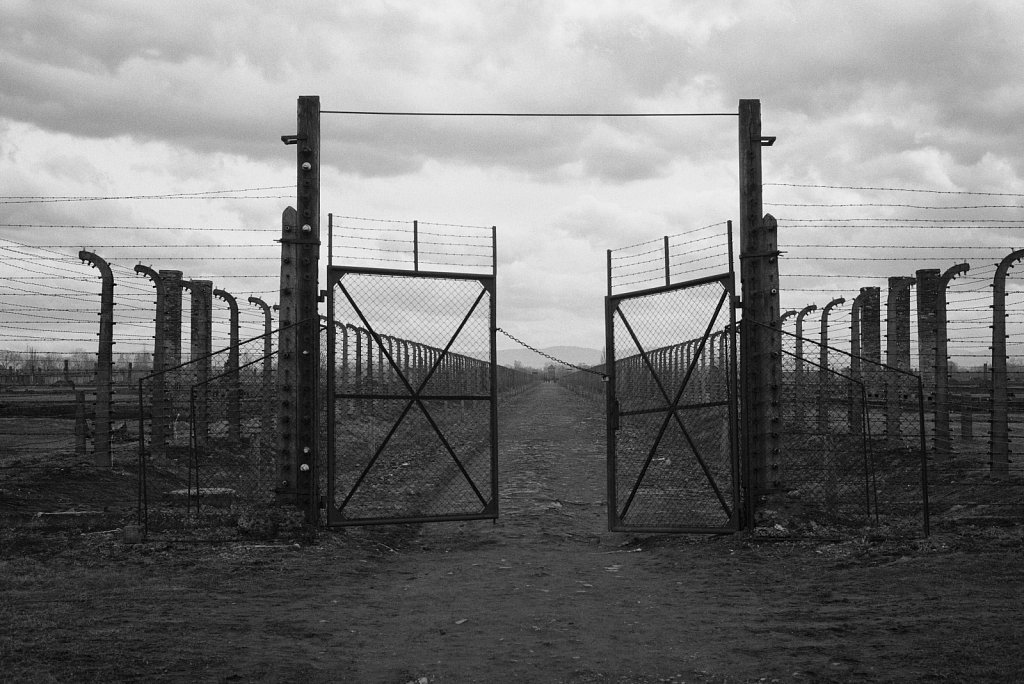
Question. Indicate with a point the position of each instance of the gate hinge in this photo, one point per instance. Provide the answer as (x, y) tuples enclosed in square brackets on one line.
[(615, 414)]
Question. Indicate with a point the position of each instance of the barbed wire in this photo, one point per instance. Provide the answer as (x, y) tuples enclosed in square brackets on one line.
[(887, 189), (887, 221), (206, 194), (959, 248), (895, 205), (660, 241), (134, 228)]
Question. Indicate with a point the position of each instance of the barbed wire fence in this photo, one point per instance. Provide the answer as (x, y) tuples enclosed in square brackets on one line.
[(837, 240), (50, 309)]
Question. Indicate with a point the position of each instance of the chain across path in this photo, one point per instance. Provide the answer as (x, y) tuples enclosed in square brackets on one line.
[(549, 356)]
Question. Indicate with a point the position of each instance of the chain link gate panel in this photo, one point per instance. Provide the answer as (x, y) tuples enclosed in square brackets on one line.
[(672, 450), (412, 414)]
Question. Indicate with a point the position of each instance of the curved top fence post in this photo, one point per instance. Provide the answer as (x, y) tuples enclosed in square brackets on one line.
[(800, 335), (1000, 429), (824, 328), (823, 412), (234, 382), (159, 407), (943, 441), (104, 359)]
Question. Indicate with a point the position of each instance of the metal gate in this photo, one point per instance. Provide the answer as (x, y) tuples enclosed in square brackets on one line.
[(672, 416), (412, 381)]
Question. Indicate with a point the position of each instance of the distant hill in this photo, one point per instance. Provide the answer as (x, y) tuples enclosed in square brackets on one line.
[(580, 356)]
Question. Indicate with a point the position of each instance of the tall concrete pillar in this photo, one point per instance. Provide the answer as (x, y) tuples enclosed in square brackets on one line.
[(897, 322), (943, 439), (897, 352), (871, 324), (172, 317), (928, 286), (800, 336), (201, 349), (823, 383), (1000, 413)]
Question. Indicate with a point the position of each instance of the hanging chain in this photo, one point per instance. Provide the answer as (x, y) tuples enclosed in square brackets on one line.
[(549, 356)]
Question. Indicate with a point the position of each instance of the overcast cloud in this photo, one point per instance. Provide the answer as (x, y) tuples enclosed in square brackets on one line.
[(125, 98)]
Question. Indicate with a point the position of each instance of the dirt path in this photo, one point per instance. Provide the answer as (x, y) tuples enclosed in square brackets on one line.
[(545, 594)]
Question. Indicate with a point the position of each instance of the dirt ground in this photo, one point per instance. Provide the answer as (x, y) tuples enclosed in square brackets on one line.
[(544, 594)]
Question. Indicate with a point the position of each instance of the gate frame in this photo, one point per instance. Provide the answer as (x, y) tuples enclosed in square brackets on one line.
[(489, 284), (612, 301)]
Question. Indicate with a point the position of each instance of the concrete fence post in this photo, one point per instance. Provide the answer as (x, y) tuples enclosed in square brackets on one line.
[(928, 284), (267, 437), (823, 384), (799, 352), (943, 440), (1000, 418), (172, 317), (897, 352), (234, 412), (160, 411), (104, 360), (201, 347), (761, 340), (299, 339), (853, 396)]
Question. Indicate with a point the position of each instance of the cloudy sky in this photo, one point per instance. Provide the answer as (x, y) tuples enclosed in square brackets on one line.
[(133, 99)]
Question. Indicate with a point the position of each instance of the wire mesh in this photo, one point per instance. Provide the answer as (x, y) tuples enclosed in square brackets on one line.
[(673, 463), (208, 447), (853, 453), (590, 384), (951, 244), (414, 435), (964, 486)]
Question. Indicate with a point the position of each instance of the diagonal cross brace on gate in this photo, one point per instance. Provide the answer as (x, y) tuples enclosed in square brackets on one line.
[(683, 478), (672, 407), (415, 395), (416, 439)]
